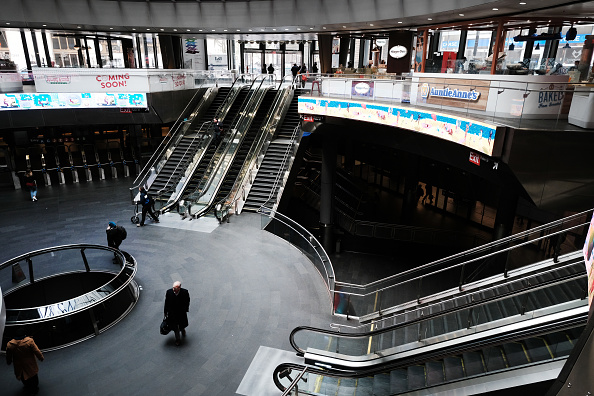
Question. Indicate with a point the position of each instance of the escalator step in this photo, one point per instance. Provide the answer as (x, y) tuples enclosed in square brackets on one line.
[(398, 381), (453, 368), (435, 372), (515, 354), (416, 377), (494, 359), (538, 349), (473, 363), (560, 344), (347, 387), (381, 384)]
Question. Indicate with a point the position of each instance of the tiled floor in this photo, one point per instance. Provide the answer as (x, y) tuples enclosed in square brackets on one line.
[(249, 289)]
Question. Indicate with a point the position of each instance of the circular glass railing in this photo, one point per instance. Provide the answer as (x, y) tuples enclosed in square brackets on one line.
[(66, 294)]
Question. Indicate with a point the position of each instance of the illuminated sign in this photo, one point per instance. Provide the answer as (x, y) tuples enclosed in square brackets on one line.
[(61, 100), (475, 158), (398, 51), (477, 135)]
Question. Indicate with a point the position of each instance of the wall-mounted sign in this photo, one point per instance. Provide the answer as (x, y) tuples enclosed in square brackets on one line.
[(449, 93), (381, 42), (26, 101), (398, 51)]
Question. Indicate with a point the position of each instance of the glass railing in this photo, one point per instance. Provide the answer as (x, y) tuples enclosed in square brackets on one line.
[(547, 293), (102, 287), (518, 355), (461, 270), (511, 102), (201, 200), (287, 229)]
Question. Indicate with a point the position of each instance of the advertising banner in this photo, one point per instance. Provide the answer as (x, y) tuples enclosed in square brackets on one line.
[(194, 53), (56, 80), (476, 135), (32, 101), (362, 89)]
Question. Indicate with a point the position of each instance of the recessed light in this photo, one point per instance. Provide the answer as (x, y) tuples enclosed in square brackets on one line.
[(274, 29), (522, 3), (298, 28), (110, 28), (175, 30), (213, 30), (224, 30), (325, 27), (429, 19), (239, 30), (399, 21), (199, 30), (148, 28), (371, 24), (133, 28), (495, 9), (461, 14), (8, 23), (344, 27), (162, 29), (310, 28), (249, 30), (44, 25), (187, 30), (77, 26), (286, 29)]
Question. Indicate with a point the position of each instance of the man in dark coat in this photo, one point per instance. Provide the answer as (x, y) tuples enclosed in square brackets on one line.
[(146, 202), (115, 235), (177, 305), (295, 70)]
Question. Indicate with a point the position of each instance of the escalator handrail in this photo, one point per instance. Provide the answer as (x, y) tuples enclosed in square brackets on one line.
[(436, 314), (487, 247), (243, 116), (268, 128), (138, 182)]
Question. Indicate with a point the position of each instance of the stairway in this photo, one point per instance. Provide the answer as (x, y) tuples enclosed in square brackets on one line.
[(272, 165)]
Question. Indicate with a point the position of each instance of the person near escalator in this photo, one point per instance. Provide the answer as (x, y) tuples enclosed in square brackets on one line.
[(218, 131), (147, 203)]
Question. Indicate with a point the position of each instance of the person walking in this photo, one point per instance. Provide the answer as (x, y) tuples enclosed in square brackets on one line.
[(31, 184), (177, 305), (271, 72), (115, 235), (146, 202), (303, 72), (314, 68), (22, 352), (218, 131), (294, 70)]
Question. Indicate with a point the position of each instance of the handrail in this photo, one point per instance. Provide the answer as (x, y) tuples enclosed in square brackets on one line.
[(455, 304), (83, 302), (246, 115), (295, 139), (486, 247), (272, 121)]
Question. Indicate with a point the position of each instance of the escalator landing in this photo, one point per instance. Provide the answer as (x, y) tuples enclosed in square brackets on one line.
[(205, 224)]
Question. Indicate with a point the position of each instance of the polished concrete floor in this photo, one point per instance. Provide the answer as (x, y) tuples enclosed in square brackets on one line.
[(249, 289)]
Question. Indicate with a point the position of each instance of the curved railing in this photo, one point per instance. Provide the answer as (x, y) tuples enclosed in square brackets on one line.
[(289, 230), (61, 316)]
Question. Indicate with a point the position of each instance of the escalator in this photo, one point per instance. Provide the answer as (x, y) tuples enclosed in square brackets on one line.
[(246, 145), (212, 148), (161, 187), (273, 164), (504, 330)]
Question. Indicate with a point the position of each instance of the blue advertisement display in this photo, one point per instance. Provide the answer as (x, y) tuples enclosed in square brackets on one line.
[(474, 134), (28, 101)]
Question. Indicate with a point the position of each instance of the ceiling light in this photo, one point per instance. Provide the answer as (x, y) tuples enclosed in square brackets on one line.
[(495, 9), (77, 26), (199, 30), (522, 3), (371, 24), (214, 30), (429, 19), (286, 29), (325, 27), (162, 29), (187, 30), (274, 29), (250, 30), (224, 30), (239, 30), (148, 29), (298, 28), (461, 14), (399, 21), (310, 28), (344, 27), (110, 28), (44, 25), (175, 30)]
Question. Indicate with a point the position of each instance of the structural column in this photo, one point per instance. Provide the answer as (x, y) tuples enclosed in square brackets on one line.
[(327, 193)]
